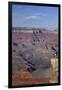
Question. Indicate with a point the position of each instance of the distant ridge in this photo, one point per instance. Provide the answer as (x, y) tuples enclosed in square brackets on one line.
[(56, 30), (30, 28)]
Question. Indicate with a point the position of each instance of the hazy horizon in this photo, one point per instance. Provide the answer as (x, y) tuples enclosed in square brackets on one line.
[(36, 28)]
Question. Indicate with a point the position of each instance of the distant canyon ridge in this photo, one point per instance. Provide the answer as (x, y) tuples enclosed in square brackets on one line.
[(41, 37)]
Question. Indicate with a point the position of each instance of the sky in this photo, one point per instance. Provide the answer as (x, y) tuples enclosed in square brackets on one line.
[(35, 16)]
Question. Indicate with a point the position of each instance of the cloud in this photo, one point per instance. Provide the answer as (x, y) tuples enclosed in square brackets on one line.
[(43, 14), (26, 17), (31, 17), (35, 16)]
